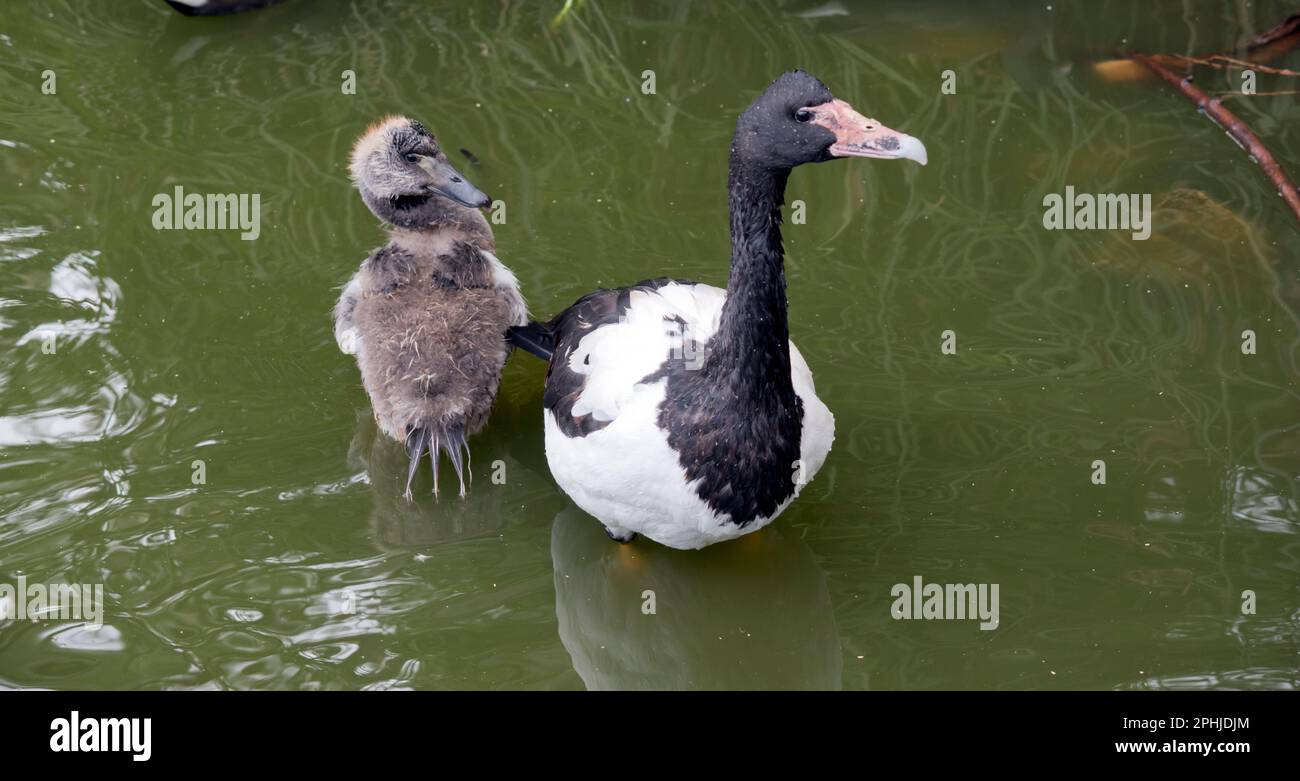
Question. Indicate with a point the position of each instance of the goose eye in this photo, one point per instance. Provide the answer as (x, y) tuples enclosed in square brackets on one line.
[(803, 115), (412, 158)]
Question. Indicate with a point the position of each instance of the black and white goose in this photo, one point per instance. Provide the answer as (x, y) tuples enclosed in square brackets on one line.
[(681, 411)]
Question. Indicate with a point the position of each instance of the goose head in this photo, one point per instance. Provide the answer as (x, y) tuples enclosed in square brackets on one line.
[(798, 120), (405, 177)]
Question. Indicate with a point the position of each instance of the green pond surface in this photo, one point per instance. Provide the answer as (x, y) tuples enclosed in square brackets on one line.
[(287, 557)]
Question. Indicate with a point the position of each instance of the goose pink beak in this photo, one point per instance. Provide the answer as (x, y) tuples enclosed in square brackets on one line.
[(858, 136)]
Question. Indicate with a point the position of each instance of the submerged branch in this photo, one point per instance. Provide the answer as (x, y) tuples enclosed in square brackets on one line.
[(1234, 127), (1277, 41)]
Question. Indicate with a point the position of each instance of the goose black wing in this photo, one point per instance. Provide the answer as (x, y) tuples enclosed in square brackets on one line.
[(555, 340)]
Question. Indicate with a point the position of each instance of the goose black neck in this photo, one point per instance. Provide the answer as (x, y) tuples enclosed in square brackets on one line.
[(752, 345)]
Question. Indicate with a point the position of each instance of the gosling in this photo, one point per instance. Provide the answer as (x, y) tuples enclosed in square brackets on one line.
[(426, 315)]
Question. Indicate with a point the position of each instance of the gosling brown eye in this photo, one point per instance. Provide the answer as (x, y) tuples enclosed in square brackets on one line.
[(803, 115)]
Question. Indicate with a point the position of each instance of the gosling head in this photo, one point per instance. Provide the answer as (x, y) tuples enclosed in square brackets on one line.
[(797, 120), (405, 178)]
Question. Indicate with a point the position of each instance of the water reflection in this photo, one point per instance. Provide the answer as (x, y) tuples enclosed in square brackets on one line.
[(751, 614), (87, 302), (423, 520), (1258, 499), (1247, 678)]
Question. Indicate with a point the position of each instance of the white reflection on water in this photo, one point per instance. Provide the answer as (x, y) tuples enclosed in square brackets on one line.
[(1259, 501), (85, 638), (77, 282), (112, 408), (1246, 678), (754, 613)]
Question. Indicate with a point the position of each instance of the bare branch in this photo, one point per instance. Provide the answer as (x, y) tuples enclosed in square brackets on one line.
[(1234, 127)]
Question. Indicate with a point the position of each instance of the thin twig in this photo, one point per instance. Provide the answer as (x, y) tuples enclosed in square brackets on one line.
[(1236, 94), (1222, 62)]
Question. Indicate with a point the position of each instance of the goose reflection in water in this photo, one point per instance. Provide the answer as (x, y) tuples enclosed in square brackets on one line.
[(750, 614), (424, 521)]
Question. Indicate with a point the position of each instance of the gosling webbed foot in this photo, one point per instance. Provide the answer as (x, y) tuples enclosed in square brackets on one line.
[(457, 449), (433, 462), (417, 441), (436, 441)]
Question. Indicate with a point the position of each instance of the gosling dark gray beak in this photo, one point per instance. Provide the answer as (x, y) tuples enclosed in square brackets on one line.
[(446, 181)]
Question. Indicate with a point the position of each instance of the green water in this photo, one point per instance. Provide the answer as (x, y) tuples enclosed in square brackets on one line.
[(297, 565)]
